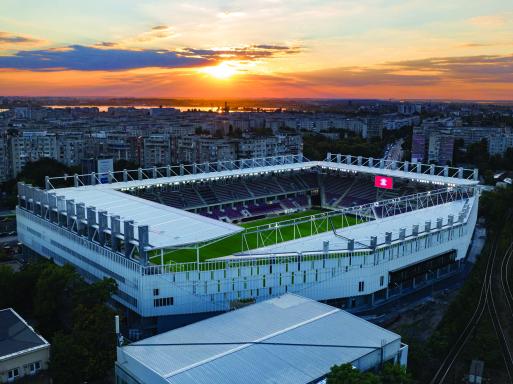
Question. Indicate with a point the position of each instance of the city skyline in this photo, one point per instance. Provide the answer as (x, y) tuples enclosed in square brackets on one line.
[(348, 49)]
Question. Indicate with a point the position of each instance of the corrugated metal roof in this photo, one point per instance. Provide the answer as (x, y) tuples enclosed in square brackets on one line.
[(289, 319), (168, 226)]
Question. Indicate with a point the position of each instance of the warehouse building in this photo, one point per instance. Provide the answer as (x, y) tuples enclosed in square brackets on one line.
[(288, 339)]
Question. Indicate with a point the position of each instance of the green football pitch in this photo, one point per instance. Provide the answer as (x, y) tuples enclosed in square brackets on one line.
[(239, 242)]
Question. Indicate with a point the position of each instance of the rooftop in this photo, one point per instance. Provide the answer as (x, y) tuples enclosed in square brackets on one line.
[(289, 339), (171, 227), (168, 226), (16, 336)]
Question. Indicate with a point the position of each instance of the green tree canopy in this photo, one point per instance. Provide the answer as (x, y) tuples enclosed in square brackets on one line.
[(395, 374), (34, 173), (72, 314), (346, 374)]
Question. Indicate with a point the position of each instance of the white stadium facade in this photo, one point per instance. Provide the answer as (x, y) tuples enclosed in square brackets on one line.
[(123, 224)]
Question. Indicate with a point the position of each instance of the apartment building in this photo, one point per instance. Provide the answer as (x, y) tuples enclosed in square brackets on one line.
[(157, 150), (199, 149), (500, 142), (70, 148), (434, 141), (32, 146), (5, 168), (441, 148)]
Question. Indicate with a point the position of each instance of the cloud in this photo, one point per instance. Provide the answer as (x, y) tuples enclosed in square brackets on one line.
[(155, 33), (413, 73), (482, 68), (9, 38), (106, 44), (475, 45), (82, 58), (488, 21), (251, 52)]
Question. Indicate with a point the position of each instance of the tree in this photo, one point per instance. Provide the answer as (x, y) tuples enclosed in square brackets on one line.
[(67, 360), (93, 331), (87, 353), (395, 374), (34, 173), (89, 295), (346, 374), (123, 164), (24, 287), (4, 256), (477, 153), (7, 286), (73, 315), (53, 299)]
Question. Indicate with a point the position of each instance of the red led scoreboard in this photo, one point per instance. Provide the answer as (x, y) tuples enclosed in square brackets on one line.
[(383, 182)]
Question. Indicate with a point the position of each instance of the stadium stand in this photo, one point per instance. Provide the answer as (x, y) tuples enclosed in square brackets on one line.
[(361, 192), (336, 187), (207, 194), (240, 199)]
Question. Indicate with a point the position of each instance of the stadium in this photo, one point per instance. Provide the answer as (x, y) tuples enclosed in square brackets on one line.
[(189, 241)]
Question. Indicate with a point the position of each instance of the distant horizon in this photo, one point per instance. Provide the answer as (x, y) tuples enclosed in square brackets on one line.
[(107, 100), (223, 99), (320, 49)]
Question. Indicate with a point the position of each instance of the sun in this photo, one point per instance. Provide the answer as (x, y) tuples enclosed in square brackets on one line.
[(222, 71)]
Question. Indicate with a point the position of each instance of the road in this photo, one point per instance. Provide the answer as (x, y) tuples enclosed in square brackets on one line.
[(395, 151)]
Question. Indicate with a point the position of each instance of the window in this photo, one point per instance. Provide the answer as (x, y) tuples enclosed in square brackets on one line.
[(381, 280), (13, 374), (155, 291), (361, 286), (34, 367), (163, 302)]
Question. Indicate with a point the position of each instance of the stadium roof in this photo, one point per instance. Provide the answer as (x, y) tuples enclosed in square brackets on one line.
[(171, 227), (436, 179), (363, 232), (168, 226), (202, 176), (262, 352), (16, 336)]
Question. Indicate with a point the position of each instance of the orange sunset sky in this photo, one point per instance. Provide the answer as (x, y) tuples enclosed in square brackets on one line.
[(426, 49)]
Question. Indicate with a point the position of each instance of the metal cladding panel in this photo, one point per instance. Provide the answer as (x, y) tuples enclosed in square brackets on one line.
[(288, 319), (271, 364)]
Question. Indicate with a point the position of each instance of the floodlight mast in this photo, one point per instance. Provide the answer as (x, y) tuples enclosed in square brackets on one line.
[(119, 337)]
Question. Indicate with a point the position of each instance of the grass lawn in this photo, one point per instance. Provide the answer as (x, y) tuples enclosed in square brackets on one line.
[(233, 244)]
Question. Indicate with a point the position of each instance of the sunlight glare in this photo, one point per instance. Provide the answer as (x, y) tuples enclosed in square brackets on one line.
[(221, 71)]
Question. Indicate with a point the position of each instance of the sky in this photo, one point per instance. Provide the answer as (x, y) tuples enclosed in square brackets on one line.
[(429, 49)]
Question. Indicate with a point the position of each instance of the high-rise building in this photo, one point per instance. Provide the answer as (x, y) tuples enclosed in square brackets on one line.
[(5, 168), (441, 148), (434, 140), (374, 127), (32, 146), (500, 142), (70, 148), (157, 150), (409, 108)]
